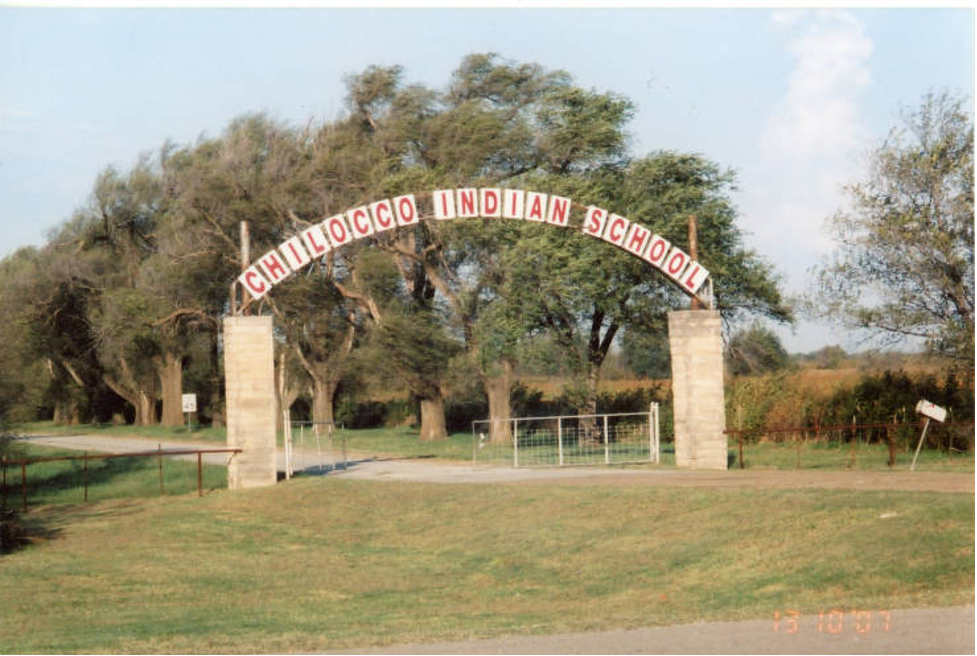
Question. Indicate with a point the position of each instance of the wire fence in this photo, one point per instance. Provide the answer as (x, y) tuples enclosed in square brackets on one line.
[(848, 445), (566, 440), (314, 447)]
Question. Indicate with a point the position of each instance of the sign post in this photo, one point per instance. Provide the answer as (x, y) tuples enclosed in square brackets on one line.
[(189, 406), (930, 411)]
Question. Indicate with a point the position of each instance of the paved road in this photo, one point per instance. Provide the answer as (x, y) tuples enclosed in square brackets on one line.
[(921, 631)]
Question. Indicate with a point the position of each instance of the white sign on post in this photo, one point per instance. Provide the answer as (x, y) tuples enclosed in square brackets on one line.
[(189, 402), (931, 410)]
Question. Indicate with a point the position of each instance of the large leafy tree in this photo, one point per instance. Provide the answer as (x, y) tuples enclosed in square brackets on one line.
[(904, 265), (496, 121), (755, 350), (586, 293)]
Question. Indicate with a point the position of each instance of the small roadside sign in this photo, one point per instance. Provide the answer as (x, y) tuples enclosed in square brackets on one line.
[(931, 410), (189, 402)]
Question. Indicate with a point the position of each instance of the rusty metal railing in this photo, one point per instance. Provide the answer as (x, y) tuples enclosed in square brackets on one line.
[(883, 433), (5, 463)]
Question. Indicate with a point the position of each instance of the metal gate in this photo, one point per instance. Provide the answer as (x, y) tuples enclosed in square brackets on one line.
[(563, 440), (313, 446)]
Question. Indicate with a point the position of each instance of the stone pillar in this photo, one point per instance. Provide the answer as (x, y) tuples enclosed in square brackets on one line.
[(249, 380), (695, 338)]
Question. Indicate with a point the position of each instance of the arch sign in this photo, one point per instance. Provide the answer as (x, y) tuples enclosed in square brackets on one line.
[(492, 203)]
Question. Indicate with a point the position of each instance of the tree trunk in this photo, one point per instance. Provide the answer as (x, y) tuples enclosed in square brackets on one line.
[(145, 409), (432, 419), (169, 368), (589, 432), (142, 399), (217, 383), (281, 385), (67, 413), (497, 388), (323, 392)]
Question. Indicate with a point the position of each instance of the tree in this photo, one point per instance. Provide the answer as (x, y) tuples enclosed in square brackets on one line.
[(755, 350), (585, 292), (495, 121), (904, 266)]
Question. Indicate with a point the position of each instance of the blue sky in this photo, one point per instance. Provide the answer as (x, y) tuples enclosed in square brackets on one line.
[(792, 100)]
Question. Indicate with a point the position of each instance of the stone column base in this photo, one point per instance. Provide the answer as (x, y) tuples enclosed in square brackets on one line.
[(249, 381), (695, 338)]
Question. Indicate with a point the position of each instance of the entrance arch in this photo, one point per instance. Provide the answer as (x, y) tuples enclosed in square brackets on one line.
[(694, 335)]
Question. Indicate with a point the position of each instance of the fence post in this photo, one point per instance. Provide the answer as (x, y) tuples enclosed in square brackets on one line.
[(160, 449), (912, 467), (515, 442), (854, 440), (200, 475), (287, 438), (739, 423), (559, 438), (4, 491), (607, 454), (651, 432), (86, 476), (23, 482)]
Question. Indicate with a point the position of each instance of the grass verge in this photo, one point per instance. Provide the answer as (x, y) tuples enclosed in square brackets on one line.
[(117, 478), (323, 563)]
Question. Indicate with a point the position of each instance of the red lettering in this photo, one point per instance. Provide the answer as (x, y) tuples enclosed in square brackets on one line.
[(595, 221), (249, 280), (466, 202), (490, 203), (657, 250), (617, 222), (273, 267), (690, 278), (536, 209), (313, 243), (338, 231), (638, 234), (406, 211), (558, 210), (516, 199), (383, 215), (299, 256), (676, 263), (362, 228)]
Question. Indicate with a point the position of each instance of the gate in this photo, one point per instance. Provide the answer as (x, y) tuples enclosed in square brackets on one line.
[(565, 440)]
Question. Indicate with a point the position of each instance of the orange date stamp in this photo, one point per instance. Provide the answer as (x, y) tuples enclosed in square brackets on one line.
[(833, 621)]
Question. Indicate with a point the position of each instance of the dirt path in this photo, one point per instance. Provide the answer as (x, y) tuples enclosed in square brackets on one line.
[(364, 466), (919, 631)]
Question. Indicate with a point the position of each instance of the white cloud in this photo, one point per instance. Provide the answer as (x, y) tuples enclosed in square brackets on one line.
[(809, 145), (819, 113), (788, 17)]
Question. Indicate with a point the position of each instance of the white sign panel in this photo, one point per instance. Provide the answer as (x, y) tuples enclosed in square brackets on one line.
[(189, 402), (372, 218), (931, 410)]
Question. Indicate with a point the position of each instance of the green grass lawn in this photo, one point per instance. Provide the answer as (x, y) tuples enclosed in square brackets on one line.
[(117, 478), (196, 432), (326, 563)]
